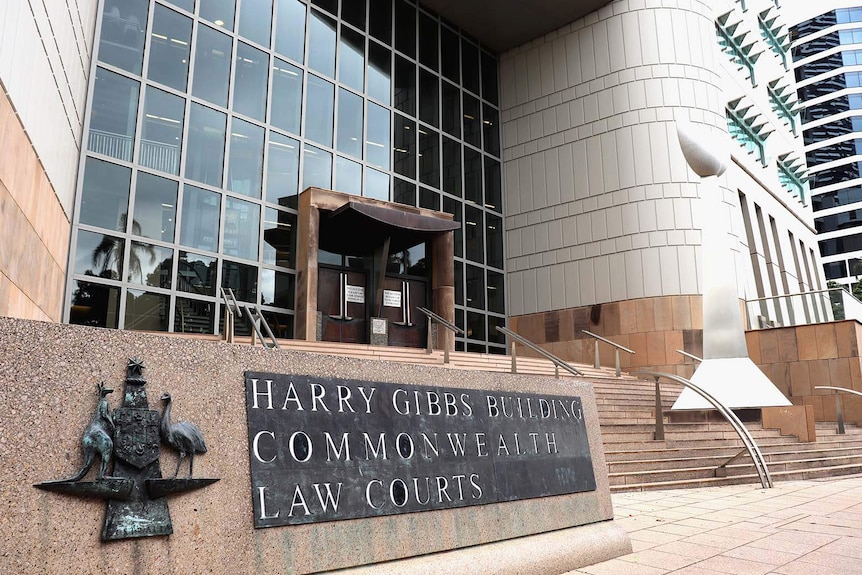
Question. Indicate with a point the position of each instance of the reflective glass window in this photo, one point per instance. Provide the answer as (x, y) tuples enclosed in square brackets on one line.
[(95, 305), (450, 54), (429, 157), (454, 207), (113, 114), (451, 109), (245, 166), (194, 316), (249, 91), (353, 12), (405, 86), (377, 185), (472, 175), (150, 265), (219, 12), (255, 20), (241, 278), (241, 229), (380, 20), (321, 43), (459, 293), (146, 311), (276, 288), (428, 55), (404, 146), (494, 335), (199, 220), (169, 48), (489, 78), (493, 186), (330, 6), (475, 285), (404, 192), (348, 176), (491, 129), (155, 207), (429, 98), (379, 72), (188, 5), (494, 237), (99, 255), (377, 146), (197, 273), (205, 147), (349, 123), (286, 103), (451, 166), (351, 59), (279, 238), (429, 199), (475, 330), (213, 55), (474, 229), (319, 110), (105, 195), (282, 172), (121, 42), (405, 28), (290, 29), (317, 168), (470, 66), (472, 121), (162, 131)]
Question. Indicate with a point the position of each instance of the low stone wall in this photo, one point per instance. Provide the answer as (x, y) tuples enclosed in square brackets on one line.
[(48, 374)]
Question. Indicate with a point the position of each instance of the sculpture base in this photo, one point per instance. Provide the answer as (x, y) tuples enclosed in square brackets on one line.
[(734, 381)]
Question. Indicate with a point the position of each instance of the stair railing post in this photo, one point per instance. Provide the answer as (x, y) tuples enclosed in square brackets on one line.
[(514, 359), (617, 360), (430, 346), (596, 363), (840, 413), (659, 416), (445, 354), (556, 371)]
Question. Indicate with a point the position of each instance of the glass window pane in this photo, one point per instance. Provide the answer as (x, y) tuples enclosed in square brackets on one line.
[(493, 188), (404, 192), (351, 59), (377, 185), (286, 96), (475, 291), (317, 168), (405, 28), (276, 288), (194, 316), (454, 207), (494, 235), (255, 20), (493, 322), (330, 6), (242, 279), (282, 172), (451, 167), (353, 12), (428, 41), (155, 207), (404, 146), (348, 176), (281, 324), (470, 66), (491, 129), (450, 54), (377, 148), (379, 72), (99, 255), (150, 265), (279, 238), (241, 229), (472, 175), (245, 167), (199, 224), (429, 98), (319, 110), (290, 29), (249, 91), (196, 273), (205, 148), (121, 42), (489, 78), (115, 108), (472, 125), (429, 157), (219, 12), (321, 43), (169, 48), (105, 195), (405, 85), (146, 311), (188, 5), (429, 199), (212, 66), (380, 20), (349, 124), (95, 305), (162, 131), (459, 293), (473, 233), (451, 109)]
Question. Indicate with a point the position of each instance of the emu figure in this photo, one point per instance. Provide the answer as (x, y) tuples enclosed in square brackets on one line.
[(98, 437), (183, 436)]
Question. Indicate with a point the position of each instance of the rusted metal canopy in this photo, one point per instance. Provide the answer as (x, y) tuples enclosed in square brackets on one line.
[(358, 229)]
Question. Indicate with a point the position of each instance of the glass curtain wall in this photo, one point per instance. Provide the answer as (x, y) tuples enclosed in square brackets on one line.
[(208, 117)]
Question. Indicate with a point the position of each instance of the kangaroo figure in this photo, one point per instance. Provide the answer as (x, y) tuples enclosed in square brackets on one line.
[(98, 437)]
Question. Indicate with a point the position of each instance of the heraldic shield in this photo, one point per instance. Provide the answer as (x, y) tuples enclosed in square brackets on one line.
[(136, 436)]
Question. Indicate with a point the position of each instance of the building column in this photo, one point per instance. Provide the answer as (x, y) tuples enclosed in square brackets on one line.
[(443, 285), (308, 240)]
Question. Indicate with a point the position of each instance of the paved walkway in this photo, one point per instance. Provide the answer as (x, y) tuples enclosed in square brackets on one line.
[(798, 527)]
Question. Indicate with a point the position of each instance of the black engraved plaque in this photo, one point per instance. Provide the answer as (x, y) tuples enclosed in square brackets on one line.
[(324, 449)]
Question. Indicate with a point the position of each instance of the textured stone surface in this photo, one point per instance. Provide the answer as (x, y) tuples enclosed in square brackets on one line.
[(47, 378)]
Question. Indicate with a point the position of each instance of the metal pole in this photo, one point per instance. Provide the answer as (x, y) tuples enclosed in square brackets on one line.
[(430, 343), (445, 353), (617, 358), (514, 360), (596, 363), (840, 413), (659, 415), (556, 371)]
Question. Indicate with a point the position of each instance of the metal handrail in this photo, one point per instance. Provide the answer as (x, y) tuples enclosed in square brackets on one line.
[(234, 308), (738, 426), (691, 355), (838, 407), (440, 321), (558, 363), (617, 347)]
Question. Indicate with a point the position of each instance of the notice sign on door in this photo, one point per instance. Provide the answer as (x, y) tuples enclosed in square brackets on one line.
[(391, 298), (354, 294)]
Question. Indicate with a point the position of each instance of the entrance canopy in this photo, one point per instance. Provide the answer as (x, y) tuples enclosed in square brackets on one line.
[(357, 229)]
